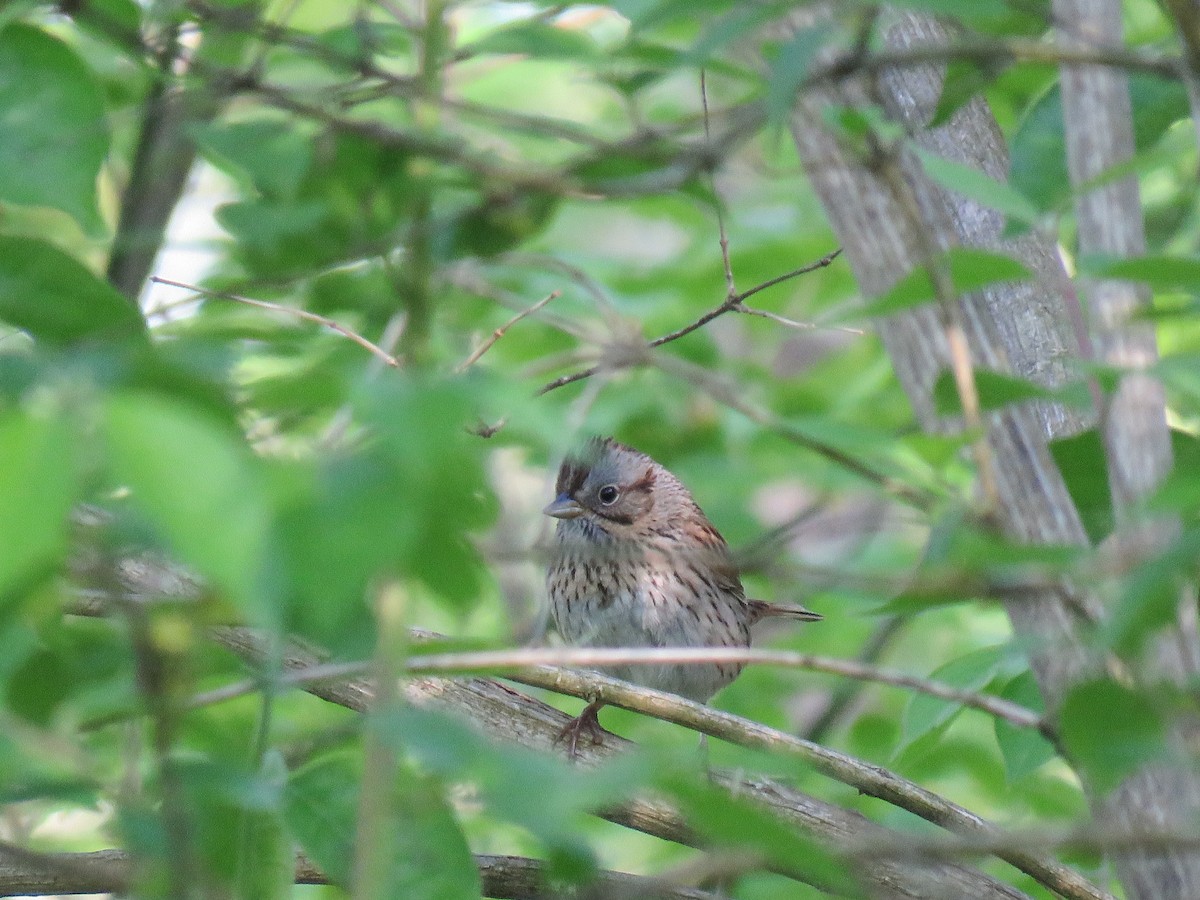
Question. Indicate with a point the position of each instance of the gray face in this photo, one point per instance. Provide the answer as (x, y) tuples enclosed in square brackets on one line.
[(607, 489)]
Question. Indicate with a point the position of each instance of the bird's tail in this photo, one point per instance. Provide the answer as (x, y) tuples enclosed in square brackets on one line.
[(762, 610)]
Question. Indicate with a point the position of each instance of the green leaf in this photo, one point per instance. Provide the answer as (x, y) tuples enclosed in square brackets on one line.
[(197, 483), (1160, 272), (53, 297), (266, 860), (537, 40), (1110, 730), (53, 133), (428, 854), (1081, 460), (964, 80), (977, 185), (743, 828), (971, 672), (1038, 158), (996, 390), (271, 155), (790, 67), (321, 803), (1149, 599), (993, 16), (1023, 749), (37, 488), (971, 269)]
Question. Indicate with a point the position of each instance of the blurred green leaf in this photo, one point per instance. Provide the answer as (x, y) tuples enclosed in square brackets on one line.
[(1038, 167), (1024, 749), (743, 828), (1161, 272), (974, 671), (1150, 594), (321, 803), (1038, 161), (38, 484), (53, 133), (996, 390), (539, 40), (992, 16), (1110, 730), (790, 66), (971, 182), (266, 858), (429, 856), (83, 664), (1082, 461), (271, 155), (964, 80), (352, 198), (53, 297), (449, 747), (196, 481), (971, 269)]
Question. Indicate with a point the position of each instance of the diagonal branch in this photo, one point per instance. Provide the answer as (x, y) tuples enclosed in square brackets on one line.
[(866, 778)]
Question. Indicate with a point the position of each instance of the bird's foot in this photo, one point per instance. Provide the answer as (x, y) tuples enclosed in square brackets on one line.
[(587, 723)]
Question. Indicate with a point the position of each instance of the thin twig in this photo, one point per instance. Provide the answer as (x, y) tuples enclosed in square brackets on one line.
[(378, 351), (792, 323), (499, 332), (731, 304), (500, 661), (730, 287)]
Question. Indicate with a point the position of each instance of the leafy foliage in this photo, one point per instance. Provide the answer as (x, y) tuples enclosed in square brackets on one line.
[(421, 181)]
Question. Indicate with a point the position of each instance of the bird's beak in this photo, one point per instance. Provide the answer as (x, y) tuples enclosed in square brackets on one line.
[(564, 507)]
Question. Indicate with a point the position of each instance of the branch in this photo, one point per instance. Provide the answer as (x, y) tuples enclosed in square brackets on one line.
[(504, 714), (32, 873), (512, 662), (730, 304), (163, 157), (499, 332), (864, 777), (304, 314), (989, 51)]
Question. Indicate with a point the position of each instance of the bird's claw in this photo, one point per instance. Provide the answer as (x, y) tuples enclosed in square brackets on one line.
[(586, 724)]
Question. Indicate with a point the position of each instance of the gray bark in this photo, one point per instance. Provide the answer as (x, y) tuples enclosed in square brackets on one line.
[(1024, 330)]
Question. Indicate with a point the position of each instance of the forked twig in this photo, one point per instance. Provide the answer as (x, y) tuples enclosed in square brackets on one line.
[(499, 332), (731, 304)]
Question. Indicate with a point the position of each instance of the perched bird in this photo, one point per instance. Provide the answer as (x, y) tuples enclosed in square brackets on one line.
[(636, 563)]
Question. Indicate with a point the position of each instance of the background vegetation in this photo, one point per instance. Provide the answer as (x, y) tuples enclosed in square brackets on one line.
[(461, 224)]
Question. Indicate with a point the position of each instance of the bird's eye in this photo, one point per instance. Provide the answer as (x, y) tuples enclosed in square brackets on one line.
[(608, 494)]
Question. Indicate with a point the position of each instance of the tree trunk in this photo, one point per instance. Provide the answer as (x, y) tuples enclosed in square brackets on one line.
[(891, 218)]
